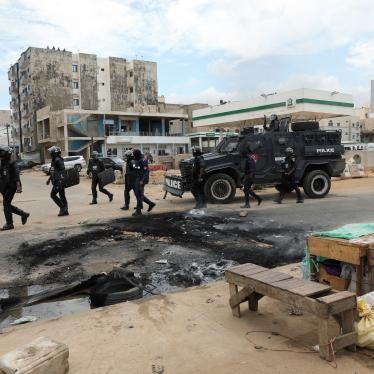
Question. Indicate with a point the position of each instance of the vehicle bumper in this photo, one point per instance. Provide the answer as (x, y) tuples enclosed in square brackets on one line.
[(337, 167)]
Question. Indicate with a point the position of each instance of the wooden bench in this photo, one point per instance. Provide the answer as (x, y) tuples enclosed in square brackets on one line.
[(316, 298)]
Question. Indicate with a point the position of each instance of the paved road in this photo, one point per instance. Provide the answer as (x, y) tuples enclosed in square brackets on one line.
[(349, 201)]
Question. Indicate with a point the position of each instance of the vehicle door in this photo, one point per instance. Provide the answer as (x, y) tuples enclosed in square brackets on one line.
[(263, 152)]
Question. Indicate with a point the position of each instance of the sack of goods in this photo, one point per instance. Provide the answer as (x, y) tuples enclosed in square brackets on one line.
[(106, 177), (67, 178)]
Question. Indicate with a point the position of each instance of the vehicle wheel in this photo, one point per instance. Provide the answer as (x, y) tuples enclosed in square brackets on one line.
[(78, 168), (220, 189), (317, 184)]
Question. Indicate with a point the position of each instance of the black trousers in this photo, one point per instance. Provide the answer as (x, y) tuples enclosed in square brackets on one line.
[(248, 191), (60, 200), (128, 188), (291, 185), (197, 190), (140, 197), (10, 209), (95, 182)]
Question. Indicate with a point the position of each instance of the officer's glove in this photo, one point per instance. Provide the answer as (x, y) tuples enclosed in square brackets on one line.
[(48, 182)]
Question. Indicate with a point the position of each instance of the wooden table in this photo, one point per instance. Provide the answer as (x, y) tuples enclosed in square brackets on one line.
[(354, 252)]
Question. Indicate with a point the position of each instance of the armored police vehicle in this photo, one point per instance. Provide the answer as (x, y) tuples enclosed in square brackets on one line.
[(318, 158)]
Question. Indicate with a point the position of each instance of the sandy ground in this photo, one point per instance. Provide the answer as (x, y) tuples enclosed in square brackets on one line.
[(191, 331)]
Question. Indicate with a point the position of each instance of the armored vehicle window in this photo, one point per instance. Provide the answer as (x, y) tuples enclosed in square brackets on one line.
[(230, 145)]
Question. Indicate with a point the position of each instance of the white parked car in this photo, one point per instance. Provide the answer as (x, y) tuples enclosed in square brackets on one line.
[(77, 162)]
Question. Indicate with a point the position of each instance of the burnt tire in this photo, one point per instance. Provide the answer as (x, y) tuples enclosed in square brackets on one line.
[(114, 292), (305, 125), (220, 189), (316, 184)]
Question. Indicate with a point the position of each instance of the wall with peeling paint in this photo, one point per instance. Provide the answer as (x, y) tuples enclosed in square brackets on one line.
[(88, 81)]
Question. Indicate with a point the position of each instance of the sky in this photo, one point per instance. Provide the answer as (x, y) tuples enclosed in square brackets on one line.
[(207, 50)]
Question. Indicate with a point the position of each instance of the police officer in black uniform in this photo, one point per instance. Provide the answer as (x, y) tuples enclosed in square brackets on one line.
[(197, 188), (10, 183), (248, 179), (57, 167), (129, 184), (96, 166), (140, 177), (289, 177)]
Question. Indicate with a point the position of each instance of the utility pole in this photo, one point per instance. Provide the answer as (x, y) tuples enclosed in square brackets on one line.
[(19, 112)]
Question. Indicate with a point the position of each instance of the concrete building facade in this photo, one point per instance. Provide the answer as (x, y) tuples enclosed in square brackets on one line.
[(5, 128), (300, 104), (349, 126), (111, 133), (62, 80)]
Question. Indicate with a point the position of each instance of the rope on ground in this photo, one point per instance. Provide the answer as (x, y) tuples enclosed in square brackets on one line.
[(306, 350)]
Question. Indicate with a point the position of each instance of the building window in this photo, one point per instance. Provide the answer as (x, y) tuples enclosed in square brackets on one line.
[(131, 73), (338, 124), (76, 102), (102, 83), (102, 69), (330, 123), (75, 84), (131, 89), (74, 68)]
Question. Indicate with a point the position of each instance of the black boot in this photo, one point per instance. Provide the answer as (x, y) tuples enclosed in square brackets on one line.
[(7, 226), (246, 205), (125, 207), (24, 217), (63, 212), (110, 197), (93, 202), (259, 201), (151, 206), (137, 213), (279, 199)]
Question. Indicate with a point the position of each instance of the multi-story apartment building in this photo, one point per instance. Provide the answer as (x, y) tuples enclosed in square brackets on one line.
[(63, 80), (349, 126), (5, 128)]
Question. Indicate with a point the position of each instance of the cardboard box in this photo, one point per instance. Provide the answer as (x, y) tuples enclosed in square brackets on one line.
[(333, 281)]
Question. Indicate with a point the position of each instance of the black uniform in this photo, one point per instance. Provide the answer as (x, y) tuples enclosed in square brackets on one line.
[(138, 179), (289, 179), (57, 167), (9, 181), (95, 166), (129, 184), (249, 176), (197, 188)]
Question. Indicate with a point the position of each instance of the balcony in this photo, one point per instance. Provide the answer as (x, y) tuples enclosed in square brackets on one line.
[(13, 89), (12, 72), (24, 79)]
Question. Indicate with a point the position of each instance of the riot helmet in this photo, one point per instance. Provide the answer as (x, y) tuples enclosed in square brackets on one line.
[(129, 154), (95, 154), (137, 154), (54, 150), (196, 151), (5, 152)]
